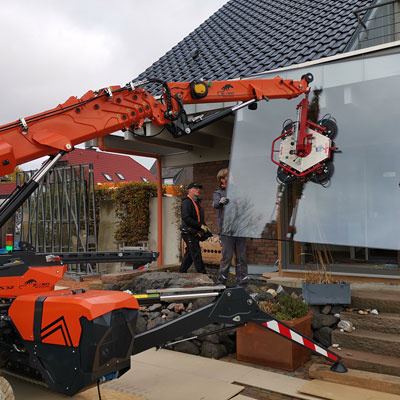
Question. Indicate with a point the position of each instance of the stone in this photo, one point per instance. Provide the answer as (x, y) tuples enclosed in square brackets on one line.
[(263, 296), (172, 315), (206, 329), (141, 325), (117, 277), (159, 279), (229, 342), (323, 336), (155, 322), (347, 326), (337, 309), (315, 309), (189, 307), (179, 307), (187, 347), (212, 350), (320, 320), (201, 302), (153, 315), (213, 338), (155, 307), (374, 312), (326, 309), (280, 289), (171, 306), (113, 286)]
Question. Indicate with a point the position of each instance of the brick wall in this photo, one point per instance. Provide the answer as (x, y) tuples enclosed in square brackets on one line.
[(259, 251)]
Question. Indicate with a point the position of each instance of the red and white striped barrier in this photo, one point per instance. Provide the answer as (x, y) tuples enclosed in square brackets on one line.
[(290, 334)]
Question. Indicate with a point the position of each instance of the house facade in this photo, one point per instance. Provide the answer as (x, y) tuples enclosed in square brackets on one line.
[(350, 47)]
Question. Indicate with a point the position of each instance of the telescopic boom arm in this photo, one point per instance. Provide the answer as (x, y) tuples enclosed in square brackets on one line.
[(105, 111)]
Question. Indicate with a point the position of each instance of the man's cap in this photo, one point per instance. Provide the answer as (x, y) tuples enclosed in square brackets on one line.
[(195, 184)]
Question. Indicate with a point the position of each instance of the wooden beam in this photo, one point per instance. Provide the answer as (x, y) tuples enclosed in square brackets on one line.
[(335, 391), (357, 378)]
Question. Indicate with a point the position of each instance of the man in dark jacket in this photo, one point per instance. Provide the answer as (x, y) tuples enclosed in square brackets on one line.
[(193, 227), (230, 244)]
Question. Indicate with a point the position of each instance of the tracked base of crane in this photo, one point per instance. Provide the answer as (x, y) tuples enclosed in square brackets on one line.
[(338, 367)]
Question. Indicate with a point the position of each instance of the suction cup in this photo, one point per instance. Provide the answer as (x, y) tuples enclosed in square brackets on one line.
[(331, 127), (287, 127), (322, 175), (284, 176)]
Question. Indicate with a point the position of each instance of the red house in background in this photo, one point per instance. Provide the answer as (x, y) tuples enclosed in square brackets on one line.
[(108, 167), (6, 189)]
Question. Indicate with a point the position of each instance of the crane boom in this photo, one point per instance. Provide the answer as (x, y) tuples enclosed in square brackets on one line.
[(99, 113)]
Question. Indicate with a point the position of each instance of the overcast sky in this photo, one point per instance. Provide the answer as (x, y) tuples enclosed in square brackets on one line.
[(51, 50)]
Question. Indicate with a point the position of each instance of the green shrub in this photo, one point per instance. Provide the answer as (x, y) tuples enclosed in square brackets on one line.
[(287, 308), (131, 208)]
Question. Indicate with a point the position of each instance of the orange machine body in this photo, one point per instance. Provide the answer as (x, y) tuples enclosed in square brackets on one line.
[(31, 280), (61, 311)]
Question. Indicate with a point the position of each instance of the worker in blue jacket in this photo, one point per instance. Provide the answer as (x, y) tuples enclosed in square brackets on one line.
[(230, 244), (193, 228)]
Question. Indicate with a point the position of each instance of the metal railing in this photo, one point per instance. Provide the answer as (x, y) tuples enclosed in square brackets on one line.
[(60, 215)]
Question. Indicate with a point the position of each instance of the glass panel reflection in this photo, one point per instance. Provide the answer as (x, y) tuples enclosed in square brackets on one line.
[(360, 206)]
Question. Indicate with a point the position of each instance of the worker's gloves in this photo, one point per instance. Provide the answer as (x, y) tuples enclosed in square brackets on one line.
[(223, 201), (205, 228)]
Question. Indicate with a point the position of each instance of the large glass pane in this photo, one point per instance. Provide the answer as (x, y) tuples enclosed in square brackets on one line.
[(360, 206)]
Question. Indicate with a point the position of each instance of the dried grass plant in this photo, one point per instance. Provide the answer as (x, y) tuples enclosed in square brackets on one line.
[(320, 274)]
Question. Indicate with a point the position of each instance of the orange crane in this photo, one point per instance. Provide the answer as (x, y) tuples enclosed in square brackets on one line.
[(74, 339)]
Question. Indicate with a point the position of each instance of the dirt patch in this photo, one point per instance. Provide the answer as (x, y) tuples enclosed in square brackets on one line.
[(76, 284)]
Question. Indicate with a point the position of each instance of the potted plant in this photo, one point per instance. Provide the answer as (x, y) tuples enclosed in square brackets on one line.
[(319, 288), (259, 345)]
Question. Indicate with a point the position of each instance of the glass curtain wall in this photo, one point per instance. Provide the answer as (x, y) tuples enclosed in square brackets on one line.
[(359, 210)]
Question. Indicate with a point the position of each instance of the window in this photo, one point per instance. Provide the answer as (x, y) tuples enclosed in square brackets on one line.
[(120, 176), (168, 181), (144, 179), (108, 177)]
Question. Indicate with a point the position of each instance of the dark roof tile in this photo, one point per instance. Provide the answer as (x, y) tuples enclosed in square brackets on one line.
[(252, 36)]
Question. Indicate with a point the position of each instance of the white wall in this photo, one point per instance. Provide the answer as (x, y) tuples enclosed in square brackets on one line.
[(171, 234)]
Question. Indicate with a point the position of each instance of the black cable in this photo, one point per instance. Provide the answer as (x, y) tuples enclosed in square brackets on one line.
[(156, 134), (98, 389)]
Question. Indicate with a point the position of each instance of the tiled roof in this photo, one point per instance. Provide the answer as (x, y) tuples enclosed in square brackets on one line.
[(7, 188), (110, 164), (249, 36)]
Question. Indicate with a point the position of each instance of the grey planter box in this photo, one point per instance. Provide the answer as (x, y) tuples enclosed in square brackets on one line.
[(326, 293)]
